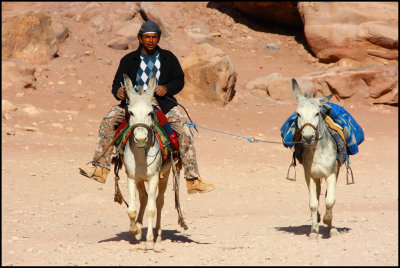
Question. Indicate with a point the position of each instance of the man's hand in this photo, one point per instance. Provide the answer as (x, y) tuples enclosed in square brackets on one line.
[(121, 94), (161, 91)]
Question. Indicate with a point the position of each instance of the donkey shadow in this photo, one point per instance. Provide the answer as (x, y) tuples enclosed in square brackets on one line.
[(305, 230), (172, 235)]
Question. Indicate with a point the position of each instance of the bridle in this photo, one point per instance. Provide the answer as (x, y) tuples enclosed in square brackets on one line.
[(150, 135), (317, 138)]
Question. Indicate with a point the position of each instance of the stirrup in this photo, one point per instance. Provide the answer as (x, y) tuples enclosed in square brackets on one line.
[(347, 171), (293, 164)]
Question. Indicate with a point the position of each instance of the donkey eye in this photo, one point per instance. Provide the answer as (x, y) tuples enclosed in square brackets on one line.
[(298, 114), (317, 114), (131, 114)]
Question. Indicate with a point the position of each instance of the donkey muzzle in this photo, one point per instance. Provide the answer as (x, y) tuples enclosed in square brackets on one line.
[(147, 141), (309, 137)]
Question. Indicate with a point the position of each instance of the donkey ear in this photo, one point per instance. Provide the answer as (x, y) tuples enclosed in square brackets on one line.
[(130, 91), (152, 86), (296, 90), (324, 99)]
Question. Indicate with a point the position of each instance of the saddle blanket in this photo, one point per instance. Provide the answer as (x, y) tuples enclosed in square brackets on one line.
[(351, 131)]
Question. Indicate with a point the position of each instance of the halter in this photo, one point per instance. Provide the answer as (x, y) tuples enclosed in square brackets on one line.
[(150, 134), (317, 138)]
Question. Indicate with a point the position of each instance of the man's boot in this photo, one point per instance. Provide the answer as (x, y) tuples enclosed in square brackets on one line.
[(198, 186), (98, 173)]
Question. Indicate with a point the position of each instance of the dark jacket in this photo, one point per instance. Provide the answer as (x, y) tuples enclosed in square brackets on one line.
[(171, 75)]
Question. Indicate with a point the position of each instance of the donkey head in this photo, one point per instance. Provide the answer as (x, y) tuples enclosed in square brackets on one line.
[(308, 113), (140, 110)]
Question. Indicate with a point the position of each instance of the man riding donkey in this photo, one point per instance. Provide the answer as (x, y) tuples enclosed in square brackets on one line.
[(139, 65)]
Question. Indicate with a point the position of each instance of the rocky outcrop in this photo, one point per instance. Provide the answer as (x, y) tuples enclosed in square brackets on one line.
[(89, 12), (337, 30), (17, 74), (7, 106), (198, 30), (377, 84), (103, 20), (60, 30), (281, 13), (373, 84), (119, 43), (125, 37), (130, 31), (149, 12), (209, 75), (29, 37)]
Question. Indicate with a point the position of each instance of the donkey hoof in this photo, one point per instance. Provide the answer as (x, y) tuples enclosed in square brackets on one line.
[(138, 236), (149, 245), (328, 221), (158, 240), (133, 230), (136, 233), (313, 236)]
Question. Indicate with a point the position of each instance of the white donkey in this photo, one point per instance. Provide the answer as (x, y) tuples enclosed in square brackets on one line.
[(318, 155), (143, 163)]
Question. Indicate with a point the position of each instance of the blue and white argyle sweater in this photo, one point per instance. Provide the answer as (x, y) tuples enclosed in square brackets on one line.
[(149, 65)]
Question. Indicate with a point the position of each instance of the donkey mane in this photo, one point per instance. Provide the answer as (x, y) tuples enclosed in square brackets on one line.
[(308, 94)]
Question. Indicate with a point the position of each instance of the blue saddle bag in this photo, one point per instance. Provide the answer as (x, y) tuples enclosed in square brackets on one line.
[(352, 131)]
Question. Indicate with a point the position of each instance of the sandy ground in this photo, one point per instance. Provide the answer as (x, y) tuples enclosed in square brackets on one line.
[(52, 215)]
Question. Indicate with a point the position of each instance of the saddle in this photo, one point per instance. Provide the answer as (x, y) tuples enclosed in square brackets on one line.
[(166, 136), (342, 127), (337, 134)]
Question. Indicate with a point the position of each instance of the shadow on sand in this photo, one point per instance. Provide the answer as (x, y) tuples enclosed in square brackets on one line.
[(305, 230), (172, 235)]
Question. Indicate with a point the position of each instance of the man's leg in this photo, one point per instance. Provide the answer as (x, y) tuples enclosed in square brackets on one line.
[(99, 169), (188, 153)]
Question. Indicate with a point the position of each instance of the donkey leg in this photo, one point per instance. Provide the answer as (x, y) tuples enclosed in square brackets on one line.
[(150, 210), (313, 203), (143, 201), (162, 186), (318, 184), (330, 200), (131, 205)]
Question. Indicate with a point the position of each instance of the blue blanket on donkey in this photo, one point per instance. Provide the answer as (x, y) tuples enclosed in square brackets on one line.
[(353, 133)]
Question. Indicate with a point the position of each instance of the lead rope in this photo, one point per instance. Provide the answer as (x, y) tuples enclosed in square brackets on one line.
[(184, 110), (118, 195)]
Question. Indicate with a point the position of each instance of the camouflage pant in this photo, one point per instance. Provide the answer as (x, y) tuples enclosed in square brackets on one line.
[(178, 123), (186, 142), (107, 133)]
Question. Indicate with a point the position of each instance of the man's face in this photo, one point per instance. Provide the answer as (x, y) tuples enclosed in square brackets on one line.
[(149, 42)]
